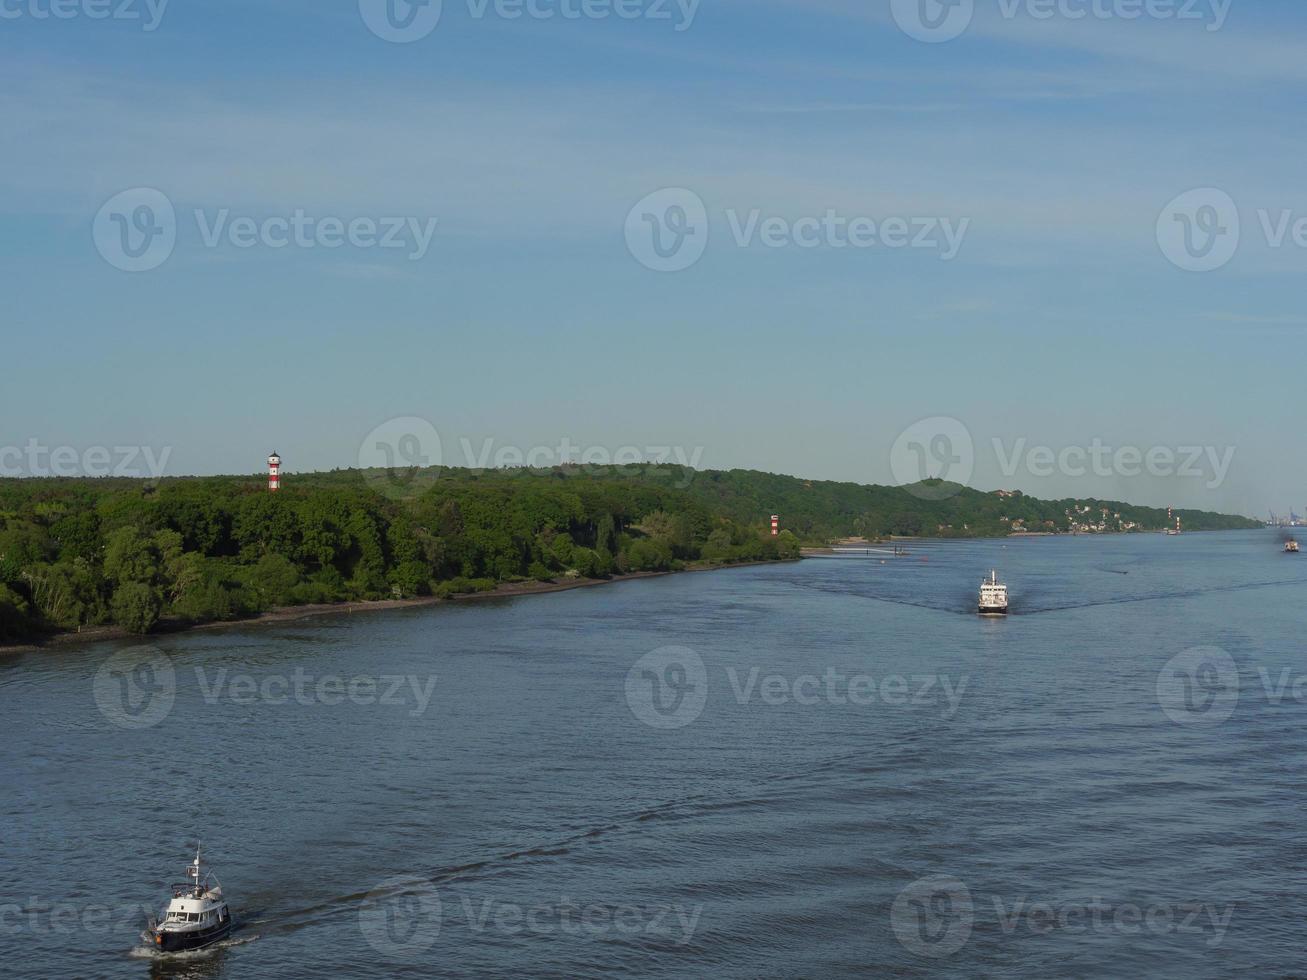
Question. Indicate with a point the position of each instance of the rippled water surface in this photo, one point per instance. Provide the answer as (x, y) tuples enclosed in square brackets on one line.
[(862, 777)]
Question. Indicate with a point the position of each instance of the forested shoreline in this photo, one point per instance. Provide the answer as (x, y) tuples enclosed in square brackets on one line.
[(77, 553)]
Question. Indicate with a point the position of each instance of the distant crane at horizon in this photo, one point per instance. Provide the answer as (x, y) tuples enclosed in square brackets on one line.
[(1293, 520)]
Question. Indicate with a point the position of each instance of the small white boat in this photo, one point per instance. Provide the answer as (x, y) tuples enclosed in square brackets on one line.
[(993, 597), (197, 915), (1291, 547)]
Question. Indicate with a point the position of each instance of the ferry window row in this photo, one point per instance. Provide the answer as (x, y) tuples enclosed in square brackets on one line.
[(191, 916)]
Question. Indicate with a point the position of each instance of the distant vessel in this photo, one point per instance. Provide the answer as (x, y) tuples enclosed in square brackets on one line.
[(197, 915), (993, 597), (1291, 547)]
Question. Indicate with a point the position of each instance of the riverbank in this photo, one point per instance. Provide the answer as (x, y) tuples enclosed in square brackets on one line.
[(290, 614)]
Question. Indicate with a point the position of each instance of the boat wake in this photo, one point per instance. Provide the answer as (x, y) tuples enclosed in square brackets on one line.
[(147, 951), (966, 610), (1158, 596), (1023, 608), (282, 921)]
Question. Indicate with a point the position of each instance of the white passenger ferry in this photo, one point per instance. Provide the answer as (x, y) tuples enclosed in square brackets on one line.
[(197, 915), (993, 596)]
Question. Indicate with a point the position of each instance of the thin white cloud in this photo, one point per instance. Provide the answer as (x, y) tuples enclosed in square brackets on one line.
[(568, 161)]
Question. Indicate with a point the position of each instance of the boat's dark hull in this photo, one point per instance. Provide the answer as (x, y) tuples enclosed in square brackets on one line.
[(177, 942), (989, 611)]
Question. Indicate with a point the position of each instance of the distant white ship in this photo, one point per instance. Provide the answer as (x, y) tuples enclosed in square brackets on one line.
[(1291, 547), (993, 597)]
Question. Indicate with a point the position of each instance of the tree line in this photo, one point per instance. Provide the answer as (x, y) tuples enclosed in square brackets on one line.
[(89, 552), (78, 553)]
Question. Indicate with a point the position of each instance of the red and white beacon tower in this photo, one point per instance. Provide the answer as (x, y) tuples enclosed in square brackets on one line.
[(775, 525), (274, 468)]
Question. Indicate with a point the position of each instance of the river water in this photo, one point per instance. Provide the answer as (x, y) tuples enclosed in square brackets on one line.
[(818, 769)]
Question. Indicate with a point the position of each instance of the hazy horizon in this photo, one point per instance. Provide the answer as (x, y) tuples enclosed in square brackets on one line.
[(1019, 189)]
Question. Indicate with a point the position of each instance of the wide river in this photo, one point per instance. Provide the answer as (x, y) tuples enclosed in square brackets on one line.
[(818, 769)]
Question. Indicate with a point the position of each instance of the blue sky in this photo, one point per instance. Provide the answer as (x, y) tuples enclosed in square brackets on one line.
[(1060, 321)]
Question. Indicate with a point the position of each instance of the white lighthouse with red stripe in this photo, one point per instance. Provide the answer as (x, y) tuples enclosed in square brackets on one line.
[(274, 470), (775, 524)]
